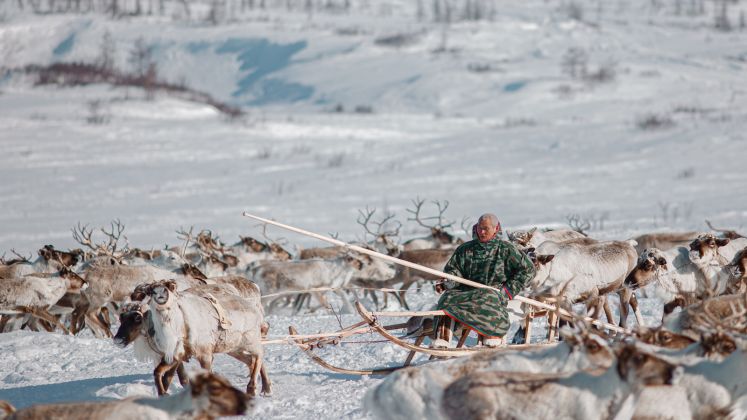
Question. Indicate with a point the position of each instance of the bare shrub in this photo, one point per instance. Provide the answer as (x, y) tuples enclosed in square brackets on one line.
[(97, 113), (686, 173), (574, 10), (673, 212), (336, 160), (264, 153), (81, 74), (519, 122), (574, 62), (300, 149), (654, 121), (482, 68), (604, 74), (349, 31), (397, 40), (363, 109)]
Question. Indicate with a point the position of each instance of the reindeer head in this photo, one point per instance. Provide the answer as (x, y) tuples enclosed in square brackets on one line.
[(76, 282), (130, 323), (161, 292), (280, 253), (738, 271), (704, 249), (215, 397), (141, 292), (192, 271), (521, 237), (639, 367), (663, 338), (651, 263), (590, 342), (542, 266), (252, 244), (717, 345)]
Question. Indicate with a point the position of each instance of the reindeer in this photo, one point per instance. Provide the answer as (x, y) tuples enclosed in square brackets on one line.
[(682, 275), (35, 294), (406, 276), (302, 275), (200, 324), (738, 269), (586, 273), (721, 313), (664, 240), (439, 237), (532, 238), (580, 395), (713, 387), (22, 266), (581, 349), (208, 396)]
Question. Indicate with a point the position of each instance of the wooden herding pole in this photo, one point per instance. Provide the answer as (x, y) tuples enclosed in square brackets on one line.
[(428, 270)]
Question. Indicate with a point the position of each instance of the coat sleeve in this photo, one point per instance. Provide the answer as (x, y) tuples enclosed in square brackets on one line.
[(455, 266), (518, 268)]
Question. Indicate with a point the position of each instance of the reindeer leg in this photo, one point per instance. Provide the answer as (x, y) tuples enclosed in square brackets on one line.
[(636, 310), (298, 303), (266, 384), (345, 301), (99, 329), (168, 376), (45, 315), (254, 371), (625, 297), (158, 374), (608, 311), (182, 374), (3, 322)]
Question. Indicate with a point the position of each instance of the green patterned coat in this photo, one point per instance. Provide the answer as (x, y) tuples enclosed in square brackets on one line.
[(495, 263)]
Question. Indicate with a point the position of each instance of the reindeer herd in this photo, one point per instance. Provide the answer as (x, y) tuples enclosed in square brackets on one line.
[(205, 297)]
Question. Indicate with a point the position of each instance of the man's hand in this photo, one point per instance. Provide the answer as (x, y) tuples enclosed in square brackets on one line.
[(440, 287)]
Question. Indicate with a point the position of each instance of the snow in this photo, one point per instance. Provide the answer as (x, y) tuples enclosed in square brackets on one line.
[(476, 113)]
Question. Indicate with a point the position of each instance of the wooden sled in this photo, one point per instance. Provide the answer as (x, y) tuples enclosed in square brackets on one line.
[(308, 344)]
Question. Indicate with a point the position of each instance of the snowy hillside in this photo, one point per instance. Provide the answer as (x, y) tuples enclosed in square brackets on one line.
[(630, 114)]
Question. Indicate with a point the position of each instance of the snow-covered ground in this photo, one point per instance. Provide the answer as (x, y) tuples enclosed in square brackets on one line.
[(479, 113)]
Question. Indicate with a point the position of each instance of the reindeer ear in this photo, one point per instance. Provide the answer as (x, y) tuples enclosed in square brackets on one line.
[(531, 231), (544, 259), (722, 242), (648, 265), (171, 285)]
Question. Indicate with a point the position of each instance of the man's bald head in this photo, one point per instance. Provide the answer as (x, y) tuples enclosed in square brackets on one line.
[(493, 219), (488, 227)]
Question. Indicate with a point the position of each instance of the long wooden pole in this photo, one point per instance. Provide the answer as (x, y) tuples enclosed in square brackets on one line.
[(428, 270)]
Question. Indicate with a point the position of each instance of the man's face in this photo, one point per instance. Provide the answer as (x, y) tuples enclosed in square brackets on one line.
[(485, 230)]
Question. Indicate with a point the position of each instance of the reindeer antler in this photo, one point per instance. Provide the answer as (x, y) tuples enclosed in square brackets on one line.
[(21, 257), (382, 234), (727, 233), (114, 237), (577, 224), (83, 235), (418, 203), (187, 236)]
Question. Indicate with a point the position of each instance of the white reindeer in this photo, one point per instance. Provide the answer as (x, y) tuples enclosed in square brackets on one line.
[(586, 273), (207, 397), (533, 238), (681, 274), (417, 392), (582, 395), (34, 294), (199, 324), (302, 275)]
